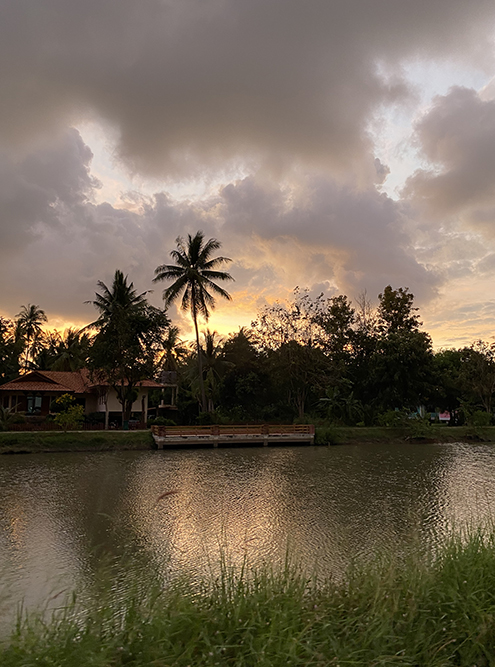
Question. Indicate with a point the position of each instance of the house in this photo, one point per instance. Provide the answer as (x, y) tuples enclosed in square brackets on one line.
[(33, 393)]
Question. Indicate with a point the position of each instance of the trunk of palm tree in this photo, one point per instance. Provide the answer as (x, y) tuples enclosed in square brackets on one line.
[(107, 413), (122, 395), (200, 361)]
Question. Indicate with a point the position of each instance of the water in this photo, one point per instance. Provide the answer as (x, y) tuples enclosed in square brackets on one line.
[(62, 514)]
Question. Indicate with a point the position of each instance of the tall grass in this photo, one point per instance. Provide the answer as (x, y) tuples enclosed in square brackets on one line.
[(424, 610)]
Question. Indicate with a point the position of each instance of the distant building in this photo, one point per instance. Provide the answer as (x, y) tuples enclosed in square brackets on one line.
[(33, 393)]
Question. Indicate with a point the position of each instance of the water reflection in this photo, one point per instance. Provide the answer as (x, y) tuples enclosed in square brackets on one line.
[(61, 513)]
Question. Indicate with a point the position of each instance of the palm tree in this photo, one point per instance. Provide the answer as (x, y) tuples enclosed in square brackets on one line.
[(116, 302), (29, 321), (173, 350), (65, 352), (193, 276), (129, 331), (215, 365)]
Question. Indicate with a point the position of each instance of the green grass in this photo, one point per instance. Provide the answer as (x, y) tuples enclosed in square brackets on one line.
[(421, 610), (12, 442), (73, 441), (342, 435)]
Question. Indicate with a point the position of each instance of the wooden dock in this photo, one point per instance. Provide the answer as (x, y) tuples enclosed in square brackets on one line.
[(262, 434)]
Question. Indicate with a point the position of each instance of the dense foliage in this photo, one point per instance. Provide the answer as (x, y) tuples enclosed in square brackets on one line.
[(320, 359)]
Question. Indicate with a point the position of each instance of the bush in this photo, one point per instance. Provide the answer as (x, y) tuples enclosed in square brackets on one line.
[(18, 418), (160, 421), (70, 418), (420, 426), (393, 418), (324, 435), (480, 418), (206, 418), (95, 418)]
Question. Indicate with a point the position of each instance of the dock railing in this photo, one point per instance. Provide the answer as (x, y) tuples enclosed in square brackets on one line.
[(224, 433)]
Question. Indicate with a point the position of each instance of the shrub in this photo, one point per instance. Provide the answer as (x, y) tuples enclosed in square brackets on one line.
[(95, 418), (70, 418), (18, 418), (324, 435), (161, 421), (480, 418), (393, 418)]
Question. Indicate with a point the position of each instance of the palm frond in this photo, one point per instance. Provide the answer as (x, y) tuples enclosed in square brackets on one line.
[(217, 275)]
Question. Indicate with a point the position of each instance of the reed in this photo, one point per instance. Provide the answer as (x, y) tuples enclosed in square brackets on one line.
[(428, 609)]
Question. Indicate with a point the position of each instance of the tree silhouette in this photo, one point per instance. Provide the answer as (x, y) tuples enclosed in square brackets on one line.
[(130, 331), (193, 277), (30, 319)]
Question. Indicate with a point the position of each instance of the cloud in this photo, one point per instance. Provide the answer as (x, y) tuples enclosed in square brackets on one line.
[(311, 232), (37, 189), (280, 103), (323, 231), (457, 138), (189, 85)]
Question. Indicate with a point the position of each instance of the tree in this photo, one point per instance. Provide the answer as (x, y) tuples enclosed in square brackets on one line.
[(283, 322), (130, 332), (396, 311), (173, 350), (478, 374), (11, 349), (30, 319), (70, 415), (400, 371), (300, 373), (215, 366), (64, 352), (193, 277), (246, 389), (448, 367)]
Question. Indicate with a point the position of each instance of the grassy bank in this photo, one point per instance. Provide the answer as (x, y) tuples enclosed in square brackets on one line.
[(77, 441), (73, 441), (423, 611), (344, 435)]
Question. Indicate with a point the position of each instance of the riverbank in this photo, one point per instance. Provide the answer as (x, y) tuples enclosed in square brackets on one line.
[(435, 433), (33, 442), (421, 610), (12, 442)]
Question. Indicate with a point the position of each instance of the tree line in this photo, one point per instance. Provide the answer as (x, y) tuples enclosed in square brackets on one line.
[(309, 358)]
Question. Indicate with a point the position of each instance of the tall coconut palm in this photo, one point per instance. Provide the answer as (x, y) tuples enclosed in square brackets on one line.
[(193, 277), (29, 321)]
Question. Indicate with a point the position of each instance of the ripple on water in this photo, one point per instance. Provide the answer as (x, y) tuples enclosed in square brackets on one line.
[(62, 514)]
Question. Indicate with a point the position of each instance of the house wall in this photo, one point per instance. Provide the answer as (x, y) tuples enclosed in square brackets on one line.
[(114, 404)]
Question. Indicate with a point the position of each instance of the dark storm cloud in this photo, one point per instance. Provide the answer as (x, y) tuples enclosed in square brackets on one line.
[(37, 189), (189, 83)]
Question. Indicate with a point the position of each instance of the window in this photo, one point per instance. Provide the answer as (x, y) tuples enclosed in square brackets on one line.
[(33, 404)]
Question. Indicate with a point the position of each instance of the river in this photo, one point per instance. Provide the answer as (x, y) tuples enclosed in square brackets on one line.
[(61, 514)]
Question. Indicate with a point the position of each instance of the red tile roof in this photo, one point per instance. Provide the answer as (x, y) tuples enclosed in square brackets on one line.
[(34, 386), (77, 382)]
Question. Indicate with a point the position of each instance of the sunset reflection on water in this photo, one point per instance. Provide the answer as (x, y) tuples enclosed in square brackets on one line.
[(62, 514)]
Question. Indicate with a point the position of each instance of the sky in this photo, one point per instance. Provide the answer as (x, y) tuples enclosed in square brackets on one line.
[(334, 145)]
